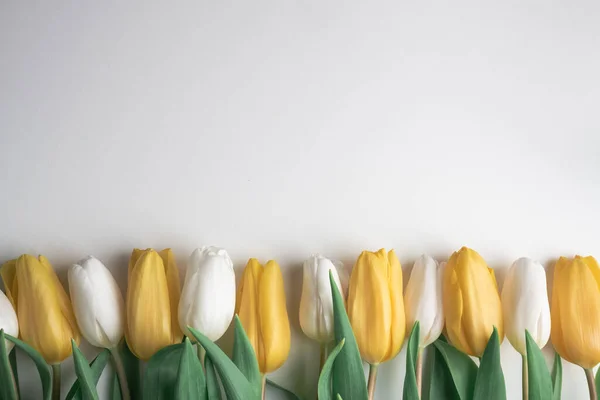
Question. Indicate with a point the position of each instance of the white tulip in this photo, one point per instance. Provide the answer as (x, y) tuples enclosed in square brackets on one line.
[(8, 320), (97, 303), (207, 300), (525, 304), (423, 299), (316, 303)]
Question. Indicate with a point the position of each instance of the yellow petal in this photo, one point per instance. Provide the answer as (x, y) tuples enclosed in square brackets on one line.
[(172, 274), (454, 307), (398, 328), (8, 273), (471, 302), (370, 306), (274, 323), (576, 310), (45, 315), (247, 307), (148, 306), (135, 256)]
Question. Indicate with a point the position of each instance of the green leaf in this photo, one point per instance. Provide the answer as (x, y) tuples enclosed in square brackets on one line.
[(12, 357), (462, 370), (244, 357), (348, 376), (437, 380), (540, 382), (97, 366), (84, 374), (190, 382), (324, 386), (132, 370), (236, 386), (212, 383), (161, 373), (44, 369), (411, 392), (288, 393), (557, 377), (489, 384), (8, 389)]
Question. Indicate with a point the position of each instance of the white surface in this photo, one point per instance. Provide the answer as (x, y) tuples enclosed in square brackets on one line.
[(280, 128)]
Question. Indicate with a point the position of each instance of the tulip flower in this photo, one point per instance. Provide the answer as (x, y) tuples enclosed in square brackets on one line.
[(207, 300), (45, 315), (576, 310), (97, 302), (423, 299), (376, 306), (316, 303), (525, 304), (263, 314), (8, 320), (471, 302), (152, 302)]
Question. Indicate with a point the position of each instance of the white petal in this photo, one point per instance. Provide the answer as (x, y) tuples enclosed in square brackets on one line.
[(208, 297), (423, 299), (8, 320), (97, 303), (525, 304)]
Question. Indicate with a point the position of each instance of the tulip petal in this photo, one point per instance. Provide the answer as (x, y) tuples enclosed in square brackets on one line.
[(398, 323), (46, 319), (274, 322), (471, 302), (207, 301), (173, 283), (576, 310), (97, 302), (148, 306), (8, 272), (247, 307), (370, 306)]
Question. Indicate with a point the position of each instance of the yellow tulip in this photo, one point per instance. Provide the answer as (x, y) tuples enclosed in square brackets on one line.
[(376, 306), (152, 300), (45, 314), (263, 314), (471, 302), (575, 310)]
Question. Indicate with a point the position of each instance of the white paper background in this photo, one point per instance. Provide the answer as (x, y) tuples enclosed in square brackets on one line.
[(281, 128)]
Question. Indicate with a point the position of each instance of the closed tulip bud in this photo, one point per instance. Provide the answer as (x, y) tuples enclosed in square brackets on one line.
[(207, 300), (97, 303), (46, 320), (575, 310), (471, 302), (316, 303), (525, 304), (376, 306), (152, 302), (8, 320), (423, 299), (263, 314)]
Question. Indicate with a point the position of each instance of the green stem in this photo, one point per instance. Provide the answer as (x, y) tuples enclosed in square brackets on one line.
[(589, 374), (525, 375), (55, 381), (264, 387), (118, 363), (13, 365), (201, 354), (323, 356), (372, 380), (419, 371)]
